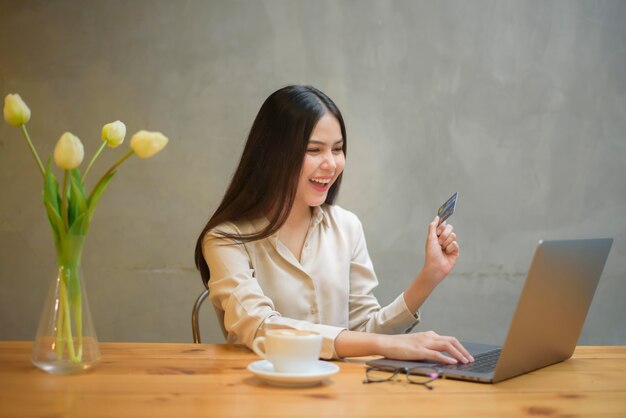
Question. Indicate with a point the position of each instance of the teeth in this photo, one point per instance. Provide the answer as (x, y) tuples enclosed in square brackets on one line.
[(321, 181)]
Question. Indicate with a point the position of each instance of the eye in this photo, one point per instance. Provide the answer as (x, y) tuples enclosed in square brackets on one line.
[(313, 150), (338, 150)]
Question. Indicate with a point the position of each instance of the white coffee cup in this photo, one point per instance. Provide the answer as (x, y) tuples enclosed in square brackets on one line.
[(289, 350)]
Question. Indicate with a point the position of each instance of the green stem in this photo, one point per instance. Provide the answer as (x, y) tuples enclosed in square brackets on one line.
[(78, 319), (67, 318), (64, 200), (110, 170), (95, 156), (70, 331), (60, 346), (33, 150)]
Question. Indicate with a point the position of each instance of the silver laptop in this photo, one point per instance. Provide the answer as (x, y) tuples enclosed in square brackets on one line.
[(547, 322)]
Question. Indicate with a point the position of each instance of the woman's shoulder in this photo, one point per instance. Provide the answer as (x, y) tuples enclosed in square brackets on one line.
[(234, 228), (342, 217)]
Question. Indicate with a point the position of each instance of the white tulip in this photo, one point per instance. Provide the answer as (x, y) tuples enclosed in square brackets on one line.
[(16, 112), (145, 144), (113, 133), (68, 152)]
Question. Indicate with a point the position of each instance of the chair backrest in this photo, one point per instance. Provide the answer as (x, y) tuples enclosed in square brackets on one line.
[(195, 327)]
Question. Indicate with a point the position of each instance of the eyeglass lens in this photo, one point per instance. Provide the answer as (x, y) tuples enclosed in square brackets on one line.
[(416, 375)]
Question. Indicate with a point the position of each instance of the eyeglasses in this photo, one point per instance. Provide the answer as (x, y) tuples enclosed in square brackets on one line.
[(415, 375)]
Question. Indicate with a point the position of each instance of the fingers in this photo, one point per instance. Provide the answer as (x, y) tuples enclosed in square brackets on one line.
[(464, 351), (441, 358), (453, 248), (443, 231), (433, 229), (447, 239), (456, 350), (424, 346), (451, 345), (441, 226)]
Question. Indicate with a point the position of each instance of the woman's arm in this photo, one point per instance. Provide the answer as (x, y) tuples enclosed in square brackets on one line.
[(241, 303), (416, 346), (400, 316), (442, 251)]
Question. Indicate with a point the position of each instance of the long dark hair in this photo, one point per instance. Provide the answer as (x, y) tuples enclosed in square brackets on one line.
[(266, 180)]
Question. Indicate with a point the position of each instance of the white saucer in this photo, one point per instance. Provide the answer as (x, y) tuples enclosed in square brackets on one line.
[(264, 370)]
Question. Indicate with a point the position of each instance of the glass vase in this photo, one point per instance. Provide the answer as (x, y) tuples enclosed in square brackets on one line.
[(66, 339)]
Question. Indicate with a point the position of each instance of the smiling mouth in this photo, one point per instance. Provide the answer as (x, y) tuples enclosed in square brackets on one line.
[(321, 183)]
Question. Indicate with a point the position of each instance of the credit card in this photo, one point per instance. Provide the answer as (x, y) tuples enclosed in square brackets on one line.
[(447, 209)]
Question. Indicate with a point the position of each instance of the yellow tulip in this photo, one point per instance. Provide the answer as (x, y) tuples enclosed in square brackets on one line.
[(68, 152), (16, 112), (113, 133), (145, 144)]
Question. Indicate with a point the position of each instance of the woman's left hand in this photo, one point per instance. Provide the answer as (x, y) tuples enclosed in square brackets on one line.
[(442, 249)]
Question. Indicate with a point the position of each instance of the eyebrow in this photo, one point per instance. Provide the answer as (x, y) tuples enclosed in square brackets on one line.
[(315, 141)]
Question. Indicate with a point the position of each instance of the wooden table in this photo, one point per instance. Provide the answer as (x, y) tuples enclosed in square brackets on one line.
[(189, 380)]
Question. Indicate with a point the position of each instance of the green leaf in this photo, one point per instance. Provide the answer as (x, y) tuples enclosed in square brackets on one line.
[(71, 251), (96, 194), (56, 223), (76, 201), (51, 189), (52, 203), (76, 177), (80, 225)]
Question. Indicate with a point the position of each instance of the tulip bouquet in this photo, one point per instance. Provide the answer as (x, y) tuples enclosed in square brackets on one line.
[(70, 210)]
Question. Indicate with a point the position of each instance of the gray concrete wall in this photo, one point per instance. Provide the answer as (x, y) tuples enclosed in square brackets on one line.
[(520, 106)]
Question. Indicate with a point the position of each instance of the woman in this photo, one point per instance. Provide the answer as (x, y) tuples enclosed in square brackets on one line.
[(279, 254)]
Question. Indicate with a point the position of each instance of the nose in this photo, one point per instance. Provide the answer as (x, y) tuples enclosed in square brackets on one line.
[(329, 162)]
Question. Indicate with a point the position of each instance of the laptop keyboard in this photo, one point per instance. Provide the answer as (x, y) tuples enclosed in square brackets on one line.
[(483, 363)]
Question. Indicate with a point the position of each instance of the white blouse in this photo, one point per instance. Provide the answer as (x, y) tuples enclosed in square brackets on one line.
[(261, 285)]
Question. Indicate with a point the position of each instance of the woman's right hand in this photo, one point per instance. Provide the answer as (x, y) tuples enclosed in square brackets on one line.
[(416, 346), (423, 346)]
